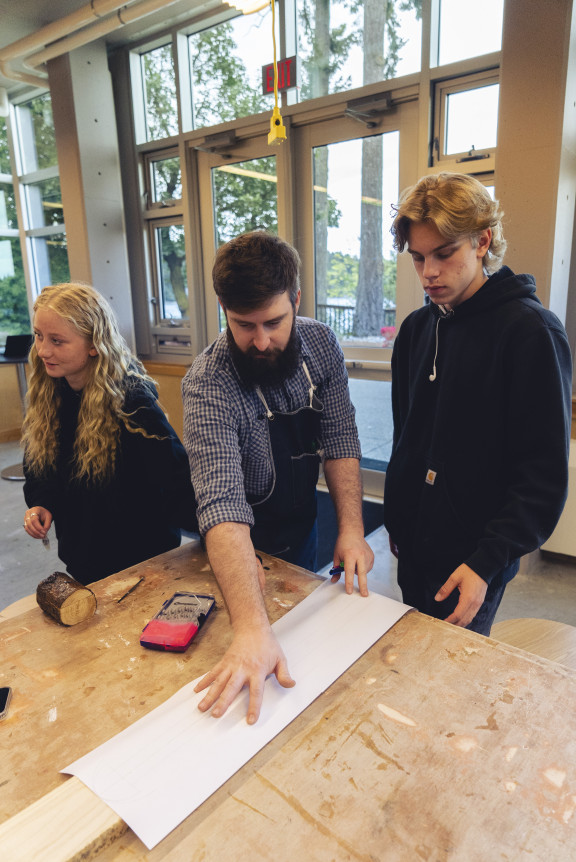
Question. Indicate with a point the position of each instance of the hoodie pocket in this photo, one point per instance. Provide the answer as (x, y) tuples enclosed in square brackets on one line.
[(401, 494), (443, 529)]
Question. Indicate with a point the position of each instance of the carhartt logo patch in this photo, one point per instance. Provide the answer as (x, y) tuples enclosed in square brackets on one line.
[(430, 477)]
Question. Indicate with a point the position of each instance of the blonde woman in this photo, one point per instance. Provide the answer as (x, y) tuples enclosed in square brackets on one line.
[(101, 460)]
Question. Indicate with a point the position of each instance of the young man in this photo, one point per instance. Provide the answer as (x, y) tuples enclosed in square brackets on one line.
[(481, 393), (262, 405)]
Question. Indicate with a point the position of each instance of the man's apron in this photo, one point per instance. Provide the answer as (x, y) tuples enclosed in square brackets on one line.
[(285, 520)]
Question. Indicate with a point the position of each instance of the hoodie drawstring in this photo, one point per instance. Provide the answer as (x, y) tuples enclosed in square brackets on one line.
[(432, 377), (442, 316)]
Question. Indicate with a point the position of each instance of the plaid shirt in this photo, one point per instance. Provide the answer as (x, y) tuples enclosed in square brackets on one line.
[(226, 431)]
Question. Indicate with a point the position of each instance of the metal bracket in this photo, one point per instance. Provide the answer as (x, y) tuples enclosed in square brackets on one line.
[(367, 110), (218, 143)]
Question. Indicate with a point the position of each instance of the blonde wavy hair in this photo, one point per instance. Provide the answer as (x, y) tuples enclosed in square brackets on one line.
[(113, 371), (458, 206)]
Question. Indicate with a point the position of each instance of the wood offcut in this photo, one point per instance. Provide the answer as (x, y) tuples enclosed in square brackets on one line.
[(65, 599)]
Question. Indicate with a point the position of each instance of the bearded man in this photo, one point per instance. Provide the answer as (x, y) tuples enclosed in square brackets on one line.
[(264, 405)]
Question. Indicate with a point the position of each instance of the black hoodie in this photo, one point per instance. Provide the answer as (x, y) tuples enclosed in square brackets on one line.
[(481, 399), (138, 514)]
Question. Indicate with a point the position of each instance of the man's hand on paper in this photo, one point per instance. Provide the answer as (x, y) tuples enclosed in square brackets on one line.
[(355, 553), (252, 656)]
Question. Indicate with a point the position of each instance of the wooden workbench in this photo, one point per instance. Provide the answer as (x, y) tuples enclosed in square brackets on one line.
[(438, 744)]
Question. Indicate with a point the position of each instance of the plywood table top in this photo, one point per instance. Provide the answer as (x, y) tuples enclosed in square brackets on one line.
[(75, 687), (437, 744)]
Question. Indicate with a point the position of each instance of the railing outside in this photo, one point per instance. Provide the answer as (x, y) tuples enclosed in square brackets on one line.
[(340, 318)]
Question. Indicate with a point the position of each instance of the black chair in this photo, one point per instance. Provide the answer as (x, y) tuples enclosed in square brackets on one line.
[(17, 347), (16, 353)]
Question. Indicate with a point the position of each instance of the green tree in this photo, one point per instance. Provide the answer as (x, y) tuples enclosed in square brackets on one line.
[(245, 202), (173, 265), (342, 274), (37, 122), (160, 90), (380, 30), (326, 50), (242, 201), (14, 315), (219, 91)]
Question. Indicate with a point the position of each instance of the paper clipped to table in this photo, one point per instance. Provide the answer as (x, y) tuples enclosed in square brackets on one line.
[(144, 772)]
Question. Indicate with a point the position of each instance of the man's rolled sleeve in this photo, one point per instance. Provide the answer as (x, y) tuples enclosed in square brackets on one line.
[(211, 440)]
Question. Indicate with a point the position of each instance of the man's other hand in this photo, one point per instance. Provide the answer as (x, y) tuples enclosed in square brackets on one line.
[(355, 553)]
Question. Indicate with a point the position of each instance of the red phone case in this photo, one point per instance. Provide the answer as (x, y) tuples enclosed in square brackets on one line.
[(176, 623)]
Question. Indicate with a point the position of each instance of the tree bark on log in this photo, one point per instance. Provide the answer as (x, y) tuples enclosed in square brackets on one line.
[(65, 599)]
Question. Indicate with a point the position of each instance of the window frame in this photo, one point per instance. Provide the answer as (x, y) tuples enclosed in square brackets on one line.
[(484, 160), (34, 277)]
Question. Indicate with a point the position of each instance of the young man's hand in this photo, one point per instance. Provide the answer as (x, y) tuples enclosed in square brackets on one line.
[(253, 654), (472, 590)]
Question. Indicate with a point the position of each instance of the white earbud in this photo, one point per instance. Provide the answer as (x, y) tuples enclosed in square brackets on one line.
[(432, 377)]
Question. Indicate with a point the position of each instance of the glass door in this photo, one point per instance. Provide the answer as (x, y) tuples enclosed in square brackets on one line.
[(238, 193), (356, 283)]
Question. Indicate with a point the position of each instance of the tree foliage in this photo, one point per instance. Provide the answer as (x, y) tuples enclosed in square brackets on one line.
[(243, 198), (325, 50)]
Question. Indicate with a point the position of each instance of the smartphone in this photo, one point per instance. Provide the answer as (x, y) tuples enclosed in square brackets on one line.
[(5, 697), (177, 622)]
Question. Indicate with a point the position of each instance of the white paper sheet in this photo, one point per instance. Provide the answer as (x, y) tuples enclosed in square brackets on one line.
[(161, 768)]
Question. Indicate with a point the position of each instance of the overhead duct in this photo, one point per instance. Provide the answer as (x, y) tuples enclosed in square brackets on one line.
[(87, 24), (51, 32)]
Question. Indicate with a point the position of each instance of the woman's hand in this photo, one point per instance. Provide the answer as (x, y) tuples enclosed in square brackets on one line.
[(37, 521)]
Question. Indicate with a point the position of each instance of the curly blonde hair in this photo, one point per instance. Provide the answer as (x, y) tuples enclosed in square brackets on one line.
[(458, 206), (113, 371)]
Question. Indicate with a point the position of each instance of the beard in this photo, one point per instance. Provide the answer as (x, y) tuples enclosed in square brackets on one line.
[(269, 367)]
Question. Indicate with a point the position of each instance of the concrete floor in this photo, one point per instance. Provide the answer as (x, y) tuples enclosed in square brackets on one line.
[(544, 588)]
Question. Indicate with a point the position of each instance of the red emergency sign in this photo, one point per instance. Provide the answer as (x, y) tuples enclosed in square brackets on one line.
[(287, 76)]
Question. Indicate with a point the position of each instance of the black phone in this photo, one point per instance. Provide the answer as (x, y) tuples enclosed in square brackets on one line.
[(5, 696)]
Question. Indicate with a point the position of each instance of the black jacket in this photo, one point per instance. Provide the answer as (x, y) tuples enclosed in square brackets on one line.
[(138, 514), (479, 466)]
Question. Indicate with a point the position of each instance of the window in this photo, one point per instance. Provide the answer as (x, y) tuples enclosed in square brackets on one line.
[(355, 182), (373, 402), (466, 119), (171, 261), (343, 46), (169, 303), (14, 316), (468, 30), (40, 194), (164, 180), (244, 198), (43, 201), (225, 63), (37, 148), (158, 92)]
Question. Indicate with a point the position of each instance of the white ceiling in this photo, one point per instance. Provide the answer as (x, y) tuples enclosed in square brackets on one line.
[(20, 18)]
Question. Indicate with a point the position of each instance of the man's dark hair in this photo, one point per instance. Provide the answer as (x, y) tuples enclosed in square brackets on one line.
[(252, 268)]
